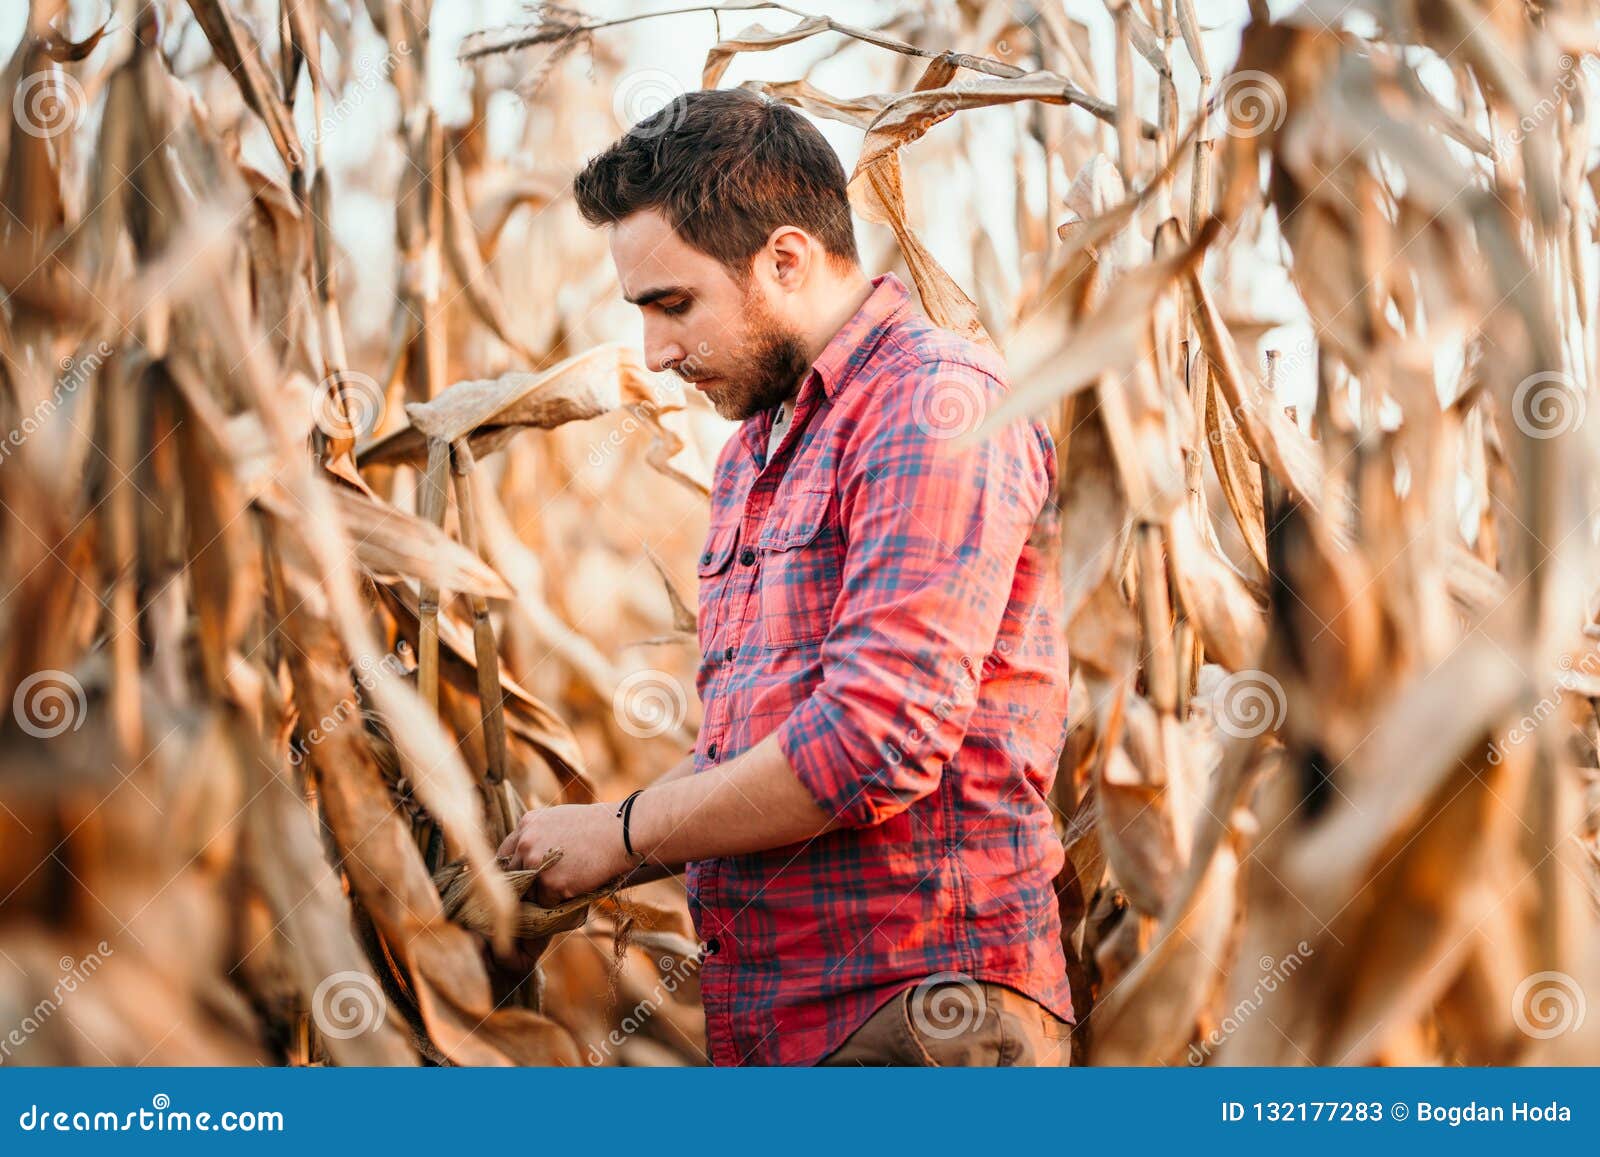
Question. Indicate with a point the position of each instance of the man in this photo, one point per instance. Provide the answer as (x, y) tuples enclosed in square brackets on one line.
[(864, 819)]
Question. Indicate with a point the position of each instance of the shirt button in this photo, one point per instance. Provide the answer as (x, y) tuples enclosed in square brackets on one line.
[(711, 751), (747, 557), (713, 946), (730, 653), (705, 559)]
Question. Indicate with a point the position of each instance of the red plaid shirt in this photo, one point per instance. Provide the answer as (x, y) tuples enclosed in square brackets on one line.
[(882, 595)]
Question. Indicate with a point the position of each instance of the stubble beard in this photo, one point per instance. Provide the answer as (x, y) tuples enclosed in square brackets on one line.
[(767, 374)]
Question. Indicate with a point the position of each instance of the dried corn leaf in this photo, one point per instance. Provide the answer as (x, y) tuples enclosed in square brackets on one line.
[(757, 39), (389, 542), (238, 54), (527, 718), (584, 386)]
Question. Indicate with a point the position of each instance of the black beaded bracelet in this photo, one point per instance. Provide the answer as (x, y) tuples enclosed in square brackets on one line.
[(625, 813)]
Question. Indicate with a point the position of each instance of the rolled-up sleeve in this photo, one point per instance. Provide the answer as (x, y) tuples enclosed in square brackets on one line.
[(935, 524)]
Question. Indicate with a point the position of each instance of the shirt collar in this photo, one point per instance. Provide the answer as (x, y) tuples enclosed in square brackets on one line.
[(848, 350)]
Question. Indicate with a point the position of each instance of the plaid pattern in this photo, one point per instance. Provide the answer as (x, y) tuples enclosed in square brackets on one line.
[(881, 594)]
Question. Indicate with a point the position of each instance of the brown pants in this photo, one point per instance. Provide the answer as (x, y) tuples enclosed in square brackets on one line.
[(949, 1020)]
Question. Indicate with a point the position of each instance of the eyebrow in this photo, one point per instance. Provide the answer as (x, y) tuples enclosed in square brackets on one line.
[(651, 296)]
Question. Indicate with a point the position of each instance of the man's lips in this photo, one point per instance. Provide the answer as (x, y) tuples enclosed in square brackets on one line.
[(701, 383)]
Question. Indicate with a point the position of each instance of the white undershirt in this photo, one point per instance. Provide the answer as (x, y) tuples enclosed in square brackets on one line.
[(780, 426)]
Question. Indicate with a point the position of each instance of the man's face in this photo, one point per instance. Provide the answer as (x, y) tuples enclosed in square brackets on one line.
[(729, 340)]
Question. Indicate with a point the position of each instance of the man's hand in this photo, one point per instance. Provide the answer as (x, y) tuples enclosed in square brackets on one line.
[(748, 804), (590, 839)]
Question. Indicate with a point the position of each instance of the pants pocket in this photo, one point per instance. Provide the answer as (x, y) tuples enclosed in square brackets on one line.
[(954, 1021), (1055, 1042), (948, 1019)]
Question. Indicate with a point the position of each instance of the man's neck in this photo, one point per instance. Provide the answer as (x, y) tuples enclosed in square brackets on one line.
[(839, 301), (849, 294)]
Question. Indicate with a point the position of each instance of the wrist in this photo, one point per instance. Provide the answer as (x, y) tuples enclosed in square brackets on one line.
[(633, 854)]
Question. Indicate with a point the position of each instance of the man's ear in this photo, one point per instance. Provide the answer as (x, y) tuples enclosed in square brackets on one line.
[(789, 252)]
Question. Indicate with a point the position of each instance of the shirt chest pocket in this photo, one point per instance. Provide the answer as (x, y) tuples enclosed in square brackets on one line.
[(716, 561), (802, 569)]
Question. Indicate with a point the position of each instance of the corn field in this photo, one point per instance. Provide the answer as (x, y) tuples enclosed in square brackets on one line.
[(343, 522)]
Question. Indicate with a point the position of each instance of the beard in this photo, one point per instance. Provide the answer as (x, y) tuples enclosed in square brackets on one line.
[(767, 370)]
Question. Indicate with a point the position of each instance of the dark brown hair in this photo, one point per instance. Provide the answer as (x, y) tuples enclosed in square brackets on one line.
[(726, 168)]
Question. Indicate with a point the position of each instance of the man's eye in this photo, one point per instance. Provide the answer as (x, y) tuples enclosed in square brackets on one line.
[(677, 310)]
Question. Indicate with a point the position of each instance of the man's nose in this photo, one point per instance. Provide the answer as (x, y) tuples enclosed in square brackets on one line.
[(660, 351)]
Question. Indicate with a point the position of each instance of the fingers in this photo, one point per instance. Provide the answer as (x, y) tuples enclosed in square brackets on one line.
[(509, 847), (550, 894)]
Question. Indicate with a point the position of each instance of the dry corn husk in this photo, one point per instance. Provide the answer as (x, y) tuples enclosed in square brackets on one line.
[(531, 922)]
